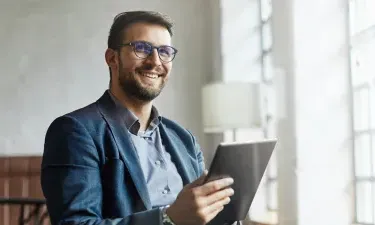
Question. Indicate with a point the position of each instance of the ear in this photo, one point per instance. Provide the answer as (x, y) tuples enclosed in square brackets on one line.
[(111, 57)]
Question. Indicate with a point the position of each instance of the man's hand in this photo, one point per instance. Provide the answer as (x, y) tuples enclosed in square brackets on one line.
[(198, 204)]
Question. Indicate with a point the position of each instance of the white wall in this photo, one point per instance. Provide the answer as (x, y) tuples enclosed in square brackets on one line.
[(315, 158), (52, 62), (323, 120), (284, 59)]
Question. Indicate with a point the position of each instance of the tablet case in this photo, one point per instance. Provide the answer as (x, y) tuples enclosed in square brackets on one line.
[(246, 164)]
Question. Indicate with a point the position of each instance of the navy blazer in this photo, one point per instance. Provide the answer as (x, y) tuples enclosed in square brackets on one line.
[(91, 173)]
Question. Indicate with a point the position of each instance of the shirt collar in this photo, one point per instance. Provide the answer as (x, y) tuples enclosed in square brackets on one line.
[(131, 121)]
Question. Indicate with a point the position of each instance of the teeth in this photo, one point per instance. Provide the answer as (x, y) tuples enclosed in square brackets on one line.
[(150, 75)]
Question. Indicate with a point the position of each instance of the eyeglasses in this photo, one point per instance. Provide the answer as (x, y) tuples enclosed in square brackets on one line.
[(144, 49)]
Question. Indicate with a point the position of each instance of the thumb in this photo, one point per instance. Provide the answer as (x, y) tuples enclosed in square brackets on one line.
[(200, 180)]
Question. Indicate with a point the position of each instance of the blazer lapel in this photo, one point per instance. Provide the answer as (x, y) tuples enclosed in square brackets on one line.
[(127, 151), (179, 154)]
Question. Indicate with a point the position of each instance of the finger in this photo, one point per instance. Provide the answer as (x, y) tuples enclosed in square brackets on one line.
[(216, 205), (227, 192), (199, 181), (204, 201), (213, 214), (214, 186)]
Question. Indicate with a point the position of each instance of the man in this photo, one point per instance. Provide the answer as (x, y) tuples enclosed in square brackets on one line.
[(117, 161)]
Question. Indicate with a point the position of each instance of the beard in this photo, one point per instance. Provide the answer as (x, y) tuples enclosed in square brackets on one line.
[(134, 88)]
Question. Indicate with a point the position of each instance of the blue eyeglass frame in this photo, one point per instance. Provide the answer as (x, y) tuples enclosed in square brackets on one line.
[(132, 44)]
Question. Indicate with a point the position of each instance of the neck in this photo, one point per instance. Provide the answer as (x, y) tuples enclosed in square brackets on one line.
[(141, 109)]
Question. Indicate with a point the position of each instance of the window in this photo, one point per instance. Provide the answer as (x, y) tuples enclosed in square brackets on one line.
[(362, 54), (259, 56), (361, 15)]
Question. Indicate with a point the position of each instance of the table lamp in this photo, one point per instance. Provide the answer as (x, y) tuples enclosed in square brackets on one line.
[(231, 106)]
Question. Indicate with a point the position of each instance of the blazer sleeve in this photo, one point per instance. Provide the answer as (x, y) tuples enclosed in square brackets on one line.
[(199, 154), (71, 179)]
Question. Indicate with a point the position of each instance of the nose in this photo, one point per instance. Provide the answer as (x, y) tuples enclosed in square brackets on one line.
[(154, 58)]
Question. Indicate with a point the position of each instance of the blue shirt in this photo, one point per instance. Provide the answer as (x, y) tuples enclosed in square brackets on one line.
[(160, 173)]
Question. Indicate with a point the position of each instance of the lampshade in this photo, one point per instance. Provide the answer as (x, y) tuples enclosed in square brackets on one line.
[(231, 105)]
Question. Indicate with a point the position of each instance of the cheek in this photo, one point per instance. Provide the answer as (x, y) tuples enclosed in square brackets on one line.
[(168, 68), (128, 62), (130, 65)]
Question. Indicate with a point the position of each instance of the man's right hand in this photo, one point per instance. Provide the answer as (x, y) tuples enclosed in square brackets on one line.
[(198, 204)]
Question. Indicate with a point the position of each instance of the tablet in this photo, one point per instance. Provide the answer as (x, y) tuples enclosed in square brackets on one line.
[(246, 163)]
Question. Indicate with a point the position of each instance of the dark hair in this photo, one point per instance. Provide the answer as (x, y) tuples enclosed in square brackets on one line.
[(125, 19)]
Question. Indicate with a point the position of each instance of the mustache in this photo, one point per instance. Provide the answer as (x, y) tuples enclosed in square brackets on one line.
[(145, 69), (151, 67)]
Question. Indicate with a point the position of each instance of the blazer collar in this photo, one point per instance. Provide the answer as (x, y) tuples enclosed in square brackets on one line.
[(127, 151)]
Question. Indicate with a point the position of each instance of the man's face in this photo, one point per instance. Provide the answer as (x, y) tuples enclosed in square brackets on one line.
[(143, 77)]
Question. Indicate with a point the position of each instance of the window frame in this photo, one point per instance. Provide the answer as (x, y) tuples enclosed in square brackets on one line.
[(265, 24)]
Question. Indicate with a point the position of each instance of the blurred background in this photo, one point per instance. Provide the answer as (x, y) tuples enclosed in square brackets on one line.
[(311, 69)]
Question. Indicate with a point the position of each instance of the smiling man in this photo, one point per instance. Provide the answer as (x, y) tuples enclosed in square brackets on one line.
[(117, 161)]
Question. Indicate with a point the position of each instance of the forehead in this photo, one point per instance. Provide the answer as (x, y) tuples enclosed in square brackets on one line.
[(153, 33)]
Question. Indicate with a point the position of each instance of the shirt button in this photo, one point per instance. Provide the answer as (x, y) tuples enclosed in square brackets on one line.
[(165, 191), (158, 162)]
